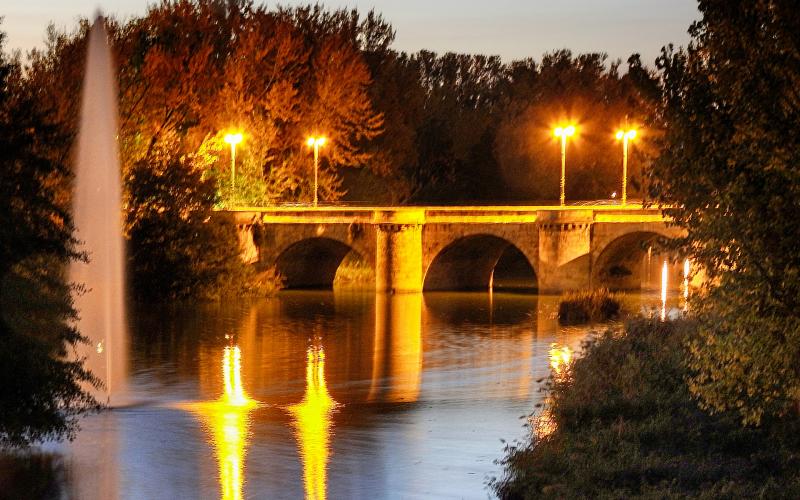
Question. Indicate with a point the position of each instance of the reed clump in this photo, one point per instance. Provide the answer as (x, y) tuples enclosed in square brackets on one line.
[(589, 306)]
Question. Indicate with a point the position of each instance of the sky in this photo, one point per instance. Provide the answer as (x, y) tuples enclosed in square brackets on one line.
[(513, 29)]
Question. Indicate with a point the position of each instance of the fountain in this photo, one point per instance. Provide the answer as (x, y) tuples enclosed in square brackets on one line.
[(97, 208)]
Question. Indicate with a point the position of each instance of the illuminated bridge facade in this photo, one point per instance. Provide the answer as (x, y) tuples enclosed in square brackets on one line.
[(412, 249)]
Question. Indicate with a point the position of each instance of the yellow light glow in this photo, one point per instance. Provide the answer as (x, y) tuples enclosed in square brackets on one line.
[(560, 359), (315, 141), (233, 139), (312, 422), (228, 420), (564, 131), (626, 134)]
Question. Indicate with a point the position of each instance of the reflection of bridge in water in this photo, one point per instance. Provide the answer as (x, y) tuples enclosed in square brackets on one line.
[(387, 358), (456, 248)]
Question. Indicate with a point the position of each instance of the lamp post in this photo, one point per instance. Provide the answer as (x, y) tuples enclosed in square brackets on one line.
[(563, 133), (233, 140), (315, 142), (625, 136)]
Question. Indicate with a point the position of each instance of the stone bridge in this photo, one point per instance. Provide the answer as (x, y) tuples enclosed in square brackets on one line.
[(455, 248)]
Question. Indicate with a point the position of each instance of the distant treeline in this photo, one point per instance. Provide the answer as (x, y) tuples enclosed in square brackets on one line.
[(402, 128)]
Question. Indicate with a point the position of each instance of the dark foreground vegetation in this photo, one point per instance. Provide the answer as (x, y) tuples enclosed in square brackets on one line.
[(627, 426), (588, 306)]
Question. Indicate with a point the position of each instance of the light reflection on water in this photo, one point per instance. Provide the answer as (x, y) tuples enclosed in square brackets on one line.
[(312, 422), (398, 396), (227, 421)]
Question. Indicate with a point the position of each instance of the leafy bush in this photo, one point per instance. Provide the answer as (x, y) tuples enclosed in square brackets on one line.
[(178, 249), (626, 426), (354, 274)]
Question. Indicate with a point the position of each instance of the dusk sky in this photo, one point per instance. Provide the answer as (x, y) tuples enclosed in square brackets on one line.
[(513, 29)]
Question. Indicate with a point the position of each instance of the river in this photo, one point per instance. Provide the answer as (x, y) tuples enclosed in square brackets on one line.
[(321, 395)]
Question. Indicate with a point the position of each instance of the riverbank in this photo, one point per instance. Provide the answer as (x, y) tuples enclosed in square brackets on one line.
[(626, 426)]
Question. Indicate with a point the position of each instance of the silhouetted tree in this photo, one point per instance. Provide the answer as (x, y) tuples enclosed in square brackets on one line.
[(177, 249), (41, 391), (731, 161)]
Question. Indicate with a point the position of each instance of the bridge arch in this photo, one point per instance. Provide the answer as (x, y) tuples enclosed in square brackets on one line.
[(630, 261), (480, 262), (314, 262)]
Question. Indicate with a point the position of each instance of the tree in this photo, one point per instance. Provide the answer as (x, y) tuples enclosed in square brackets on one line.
[(731, 160), (177, 249), (42, 385), (195, 69), (583, 89)]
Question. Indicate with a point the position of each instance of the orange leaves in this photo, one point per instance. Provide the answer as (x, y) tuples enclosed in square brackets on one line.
[(190, 71)]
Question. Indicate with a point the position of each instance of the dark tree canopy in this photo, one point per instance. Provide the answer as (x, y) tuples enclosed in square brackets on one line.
[(41, 391), (731, 160)]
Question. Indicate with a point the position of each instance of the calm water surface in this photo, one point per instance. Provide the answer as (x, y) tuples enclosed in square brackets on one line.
[(316, 394)]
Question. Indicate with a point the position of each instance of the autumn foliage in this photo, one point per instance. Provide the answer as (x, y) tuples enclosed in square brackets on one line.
[(193, 71)]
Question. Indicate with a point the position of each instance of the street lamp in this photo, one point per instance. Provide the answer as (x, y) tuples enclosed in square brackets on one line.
[(625, 136), (233, 140), (315, 142), (563, 133)]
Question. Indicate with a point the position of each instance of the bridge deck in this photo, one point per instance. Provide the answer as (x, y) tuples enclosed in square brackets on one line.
[(446, 214)]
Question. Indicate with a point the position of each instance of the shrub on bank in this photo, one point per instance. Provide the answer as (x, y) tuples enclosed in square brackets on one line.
[(588, 306), (354, 274), (177, 248), (626, 426)]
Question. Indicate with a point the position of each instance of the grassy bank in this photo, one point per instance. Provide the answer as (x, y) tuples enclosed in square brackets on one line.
[(626, 427)]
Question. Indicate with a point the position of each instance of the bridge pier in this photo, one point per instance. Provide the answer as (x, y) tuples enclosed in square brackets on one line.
[(398, 257), (564, 250)]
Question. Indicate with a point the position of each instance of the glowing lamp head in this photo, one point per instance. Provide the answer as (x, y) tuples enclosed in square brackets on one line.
[(233, 139), (626, 134), (315, 141), (567, 131)]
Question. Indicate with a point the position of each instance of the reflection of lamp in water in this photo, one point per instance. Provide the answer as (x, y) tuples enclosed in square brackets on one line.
[(312, 421), (560, 359), (228, 419)]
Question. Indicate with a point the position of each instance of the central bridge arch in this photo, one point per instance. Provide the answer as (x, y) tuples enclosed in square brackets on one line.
[(480, 262)]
